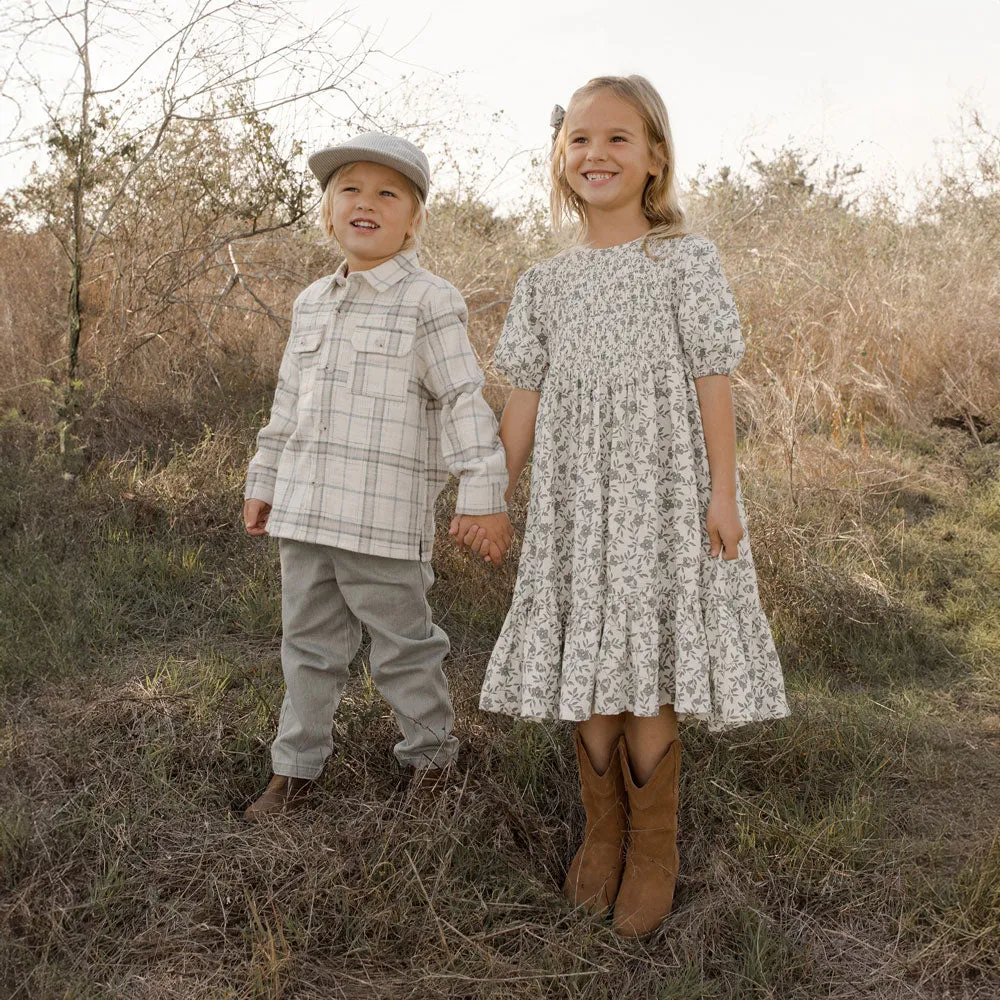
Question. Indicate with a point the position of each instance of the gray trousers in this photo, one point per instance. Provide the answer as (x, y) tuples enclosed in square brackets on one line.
[(326, 593)]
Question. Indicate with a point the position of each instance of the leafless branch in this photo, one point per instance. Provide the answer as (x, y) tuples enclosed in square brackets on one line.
[(280, 321), (126, 181), (181, 33)]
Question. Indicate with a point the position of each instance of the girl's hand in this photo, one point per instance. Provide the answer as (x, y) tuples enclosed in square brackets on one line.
[(490, 535), (724, 526), (255, 514)]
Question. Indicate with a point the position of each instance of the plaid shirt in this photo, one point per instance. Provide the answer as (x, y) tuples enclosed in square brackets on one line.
[(379, 396)]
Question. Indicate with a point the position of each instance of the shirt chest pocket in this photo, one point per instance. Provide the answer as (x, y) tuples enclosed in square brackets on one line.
[(383, 355), (305, 346)]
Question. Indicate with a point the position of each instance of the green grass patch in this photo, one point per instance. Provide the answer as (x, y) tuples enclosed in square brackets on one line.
[(839, 852)]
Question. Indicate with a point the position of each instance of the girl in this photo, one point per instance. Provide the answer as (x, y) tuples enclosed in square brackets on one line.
[(636, 599)]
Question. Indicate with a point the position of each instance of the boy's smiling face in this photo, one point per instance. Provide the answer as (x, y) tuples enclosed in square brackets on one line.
[(374, 211)]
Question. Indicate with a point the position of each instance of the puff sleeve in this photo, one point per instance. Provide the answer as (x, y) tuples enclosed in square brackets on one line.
[(707, 317), (522, 354)]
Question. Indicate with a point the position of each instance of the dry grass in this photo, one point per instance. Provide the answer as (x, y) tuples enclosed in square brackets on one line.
[(852, 317), (855, 316), (850, 851)]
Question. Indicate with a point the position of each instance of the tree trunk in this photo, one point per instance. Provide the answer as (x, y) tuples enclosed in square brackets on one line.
[(81, 171), (73, 308)]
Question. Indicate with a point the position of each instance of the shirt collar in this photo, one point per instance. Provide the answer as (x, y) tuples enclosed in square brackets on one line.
[(387, 274)]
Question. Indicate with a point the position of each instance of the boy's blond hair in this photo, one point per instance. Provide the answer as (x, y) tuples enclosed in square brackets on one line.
[(660, 202), (419, 211)]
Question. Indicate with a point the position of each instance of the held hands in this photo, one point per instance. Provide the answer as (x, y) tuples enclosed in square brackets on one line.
[(255, 514), (488, 534), (724, 526)]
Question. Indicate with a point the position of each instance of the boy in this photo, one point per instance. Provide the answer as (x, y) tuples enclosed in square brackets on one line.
[(379, 396)]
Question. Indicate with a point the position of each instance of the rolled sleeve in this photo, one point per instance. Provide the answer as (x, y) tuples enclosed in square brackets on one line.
[(449, 372)]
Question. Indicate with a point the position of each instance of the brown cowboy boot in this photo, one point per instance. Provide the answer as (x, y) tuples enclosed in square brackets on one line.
[(282, 794), (596, 870), (647, 889)]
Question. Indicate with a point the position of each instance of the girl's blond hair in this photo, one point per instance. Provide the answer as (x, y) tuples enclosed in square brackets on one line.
[(419, 211), (660, 202)]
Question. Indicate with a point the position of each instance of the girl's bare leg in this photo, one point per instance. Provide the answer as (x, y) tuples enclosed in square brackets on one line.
[(647, 739), (599, 734)]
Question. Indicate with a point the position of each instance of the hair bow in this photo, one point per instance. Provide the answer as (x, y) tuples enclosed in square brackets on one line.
[(556, 120)]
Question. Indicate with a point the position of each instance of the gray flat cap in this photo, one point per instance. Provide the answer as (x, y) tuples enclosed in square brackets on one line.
[(374, 147)]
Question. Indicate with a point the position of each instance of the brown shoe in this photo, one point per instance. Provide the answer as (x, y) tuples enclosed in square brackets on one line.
[(428, 785), (282, 794), (647, 890), (430, 779), (595, 872)]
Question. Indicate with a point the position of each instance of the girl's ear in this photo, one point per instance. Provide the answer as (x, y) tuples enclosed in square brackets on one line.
[(659, 157)]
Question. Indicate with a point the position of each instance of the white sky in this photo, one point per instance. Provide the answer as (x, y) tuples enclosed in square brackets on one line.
[(880, 82)]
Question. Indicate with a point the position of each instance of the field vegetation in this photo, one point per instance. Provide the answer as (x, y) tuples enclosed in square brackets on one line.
[(849, 851)]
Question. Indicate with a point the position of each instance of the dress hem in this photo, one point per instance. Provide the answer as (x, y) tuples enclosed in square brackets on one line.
[(714, 723)]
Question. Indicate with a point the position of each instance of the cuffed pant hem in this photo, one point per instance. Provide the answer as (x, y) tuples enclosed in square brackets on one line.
[(422, 761), (295, 770)]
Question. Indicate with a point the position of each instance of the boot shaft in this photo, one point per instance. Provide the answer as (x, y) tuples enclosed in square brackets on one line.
[(603, 795)]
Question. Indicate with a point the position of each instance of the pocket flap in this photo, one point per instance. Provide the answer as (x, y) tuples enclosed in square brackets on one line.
[(306, 341), (391, 334)]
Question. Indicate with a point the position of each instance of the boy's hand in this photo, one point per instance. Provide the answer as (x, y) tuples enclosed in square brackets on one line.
[(488, 534), (255, 514)]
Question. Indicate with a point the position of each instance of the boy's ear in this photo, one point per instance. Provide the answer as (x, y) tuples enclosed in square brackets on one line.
[(416, 217), (411, 230)]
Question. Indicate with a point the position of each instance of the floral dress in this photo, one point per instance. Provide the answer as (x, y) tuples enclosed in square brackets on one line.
[(618, 605)]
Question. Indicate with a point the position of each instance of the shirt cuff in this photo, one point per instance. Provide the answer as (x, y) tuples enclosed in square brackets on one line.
[(260, 485), (481, 494)]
